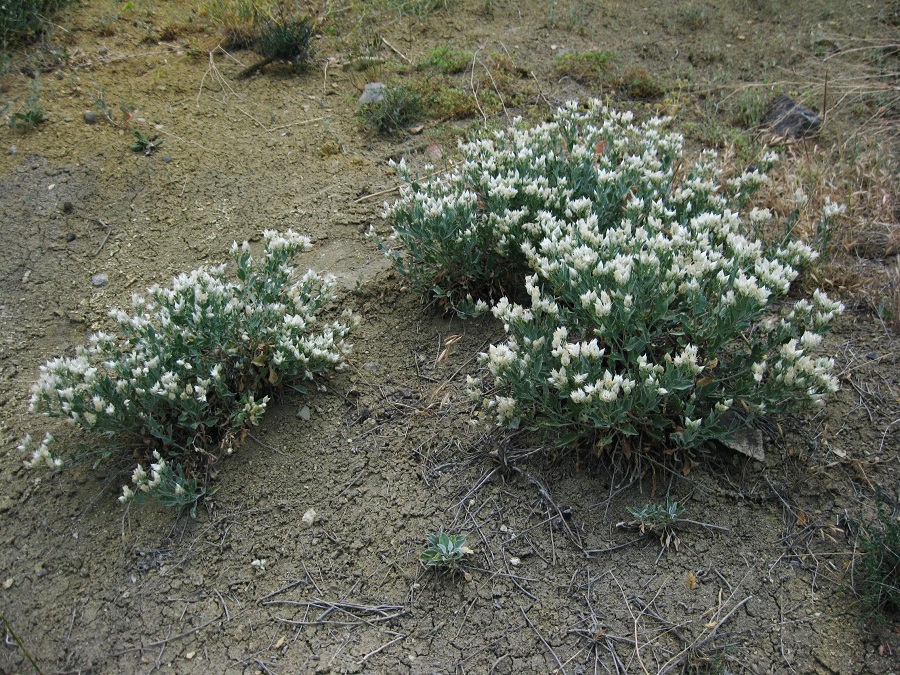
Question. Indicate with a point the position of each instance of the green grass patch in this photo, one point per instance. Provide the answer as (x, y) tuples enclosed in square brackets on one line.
[(446, 60)]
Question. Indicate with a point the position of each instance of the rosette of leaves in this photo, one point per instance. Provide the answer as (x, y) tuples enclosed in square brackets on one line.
[(444, 550)]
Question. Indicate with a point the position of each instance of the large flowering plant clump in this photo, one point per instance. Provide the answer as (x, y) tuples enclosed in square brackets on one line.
[(193, 367), (647, 308)]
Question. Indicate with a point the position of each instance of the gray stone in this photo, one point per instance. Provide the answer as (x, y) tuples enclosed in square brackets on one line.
[(372, 93), (99, 279), (788, 118), (744, 439), (303, 413), (90, 117)]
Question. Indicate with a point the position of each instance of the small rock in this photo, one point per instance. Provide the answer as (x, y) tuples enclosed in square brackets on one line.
[(99, 279), (68, 207), (433, 152), (871, 356), (372, 93), (167, 159), (788, 118), (309, 517), (745, 440), (13, 149), (8, 583), (303, 413), (90, 117), (102, 50)]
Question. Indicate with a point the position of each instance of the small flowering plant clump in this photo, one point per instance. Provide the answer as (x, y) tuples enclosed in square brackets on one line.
[(649, 310), (193, 368)]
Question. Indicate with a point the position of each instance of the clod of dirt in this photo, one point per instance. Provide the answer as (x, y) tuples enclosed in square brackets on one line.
[(788, 118)]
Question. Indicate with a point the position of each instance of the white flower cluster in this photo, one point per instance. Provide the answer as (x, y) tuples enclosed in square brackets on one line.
[(650, 300), (42, 455), (194, 359)]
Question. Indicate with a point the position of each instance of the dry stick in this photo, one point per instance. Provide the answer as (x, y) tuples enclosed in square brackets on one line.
[(541, 637), (637, 646), (397, 187), (267, 446), (396, 51), (259, 65), (168, 640), (224, 606), (384, 646), (678, 658), (21, 646), (472, 84)]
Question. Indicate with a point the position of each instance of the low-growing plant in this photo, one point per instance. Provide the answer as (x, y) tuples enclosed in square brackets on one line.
[(239, 20), (879, 582), (651, 310), (591, 66), (447, 60), (654, 517), (33, 115), (24, 19), (398, 108), (444, 550), (144, 144), (192, 369), (284, 37), (657, 519), (639, 84)]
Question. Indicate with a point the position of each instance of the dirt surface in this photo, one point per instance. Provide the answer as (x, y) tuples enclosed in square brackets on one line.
[(761, 583)]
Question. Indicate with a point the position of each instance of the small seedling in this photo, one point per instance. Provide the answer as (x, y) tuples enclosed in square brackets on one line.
[(144, 144), (444, 550), (25, 121), (33, 115), (656, 518)]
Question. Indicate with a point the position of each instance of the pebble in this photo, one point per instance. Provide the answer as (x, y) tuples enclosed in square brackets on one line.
[(167, 159), (99, 279), (303, 413), (309, 517), (68, 207), (90, 117), (13, 149)]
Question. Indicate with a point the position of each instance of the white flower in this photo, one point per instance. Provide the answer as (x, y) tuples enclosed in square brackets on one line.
[(831, 209)]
